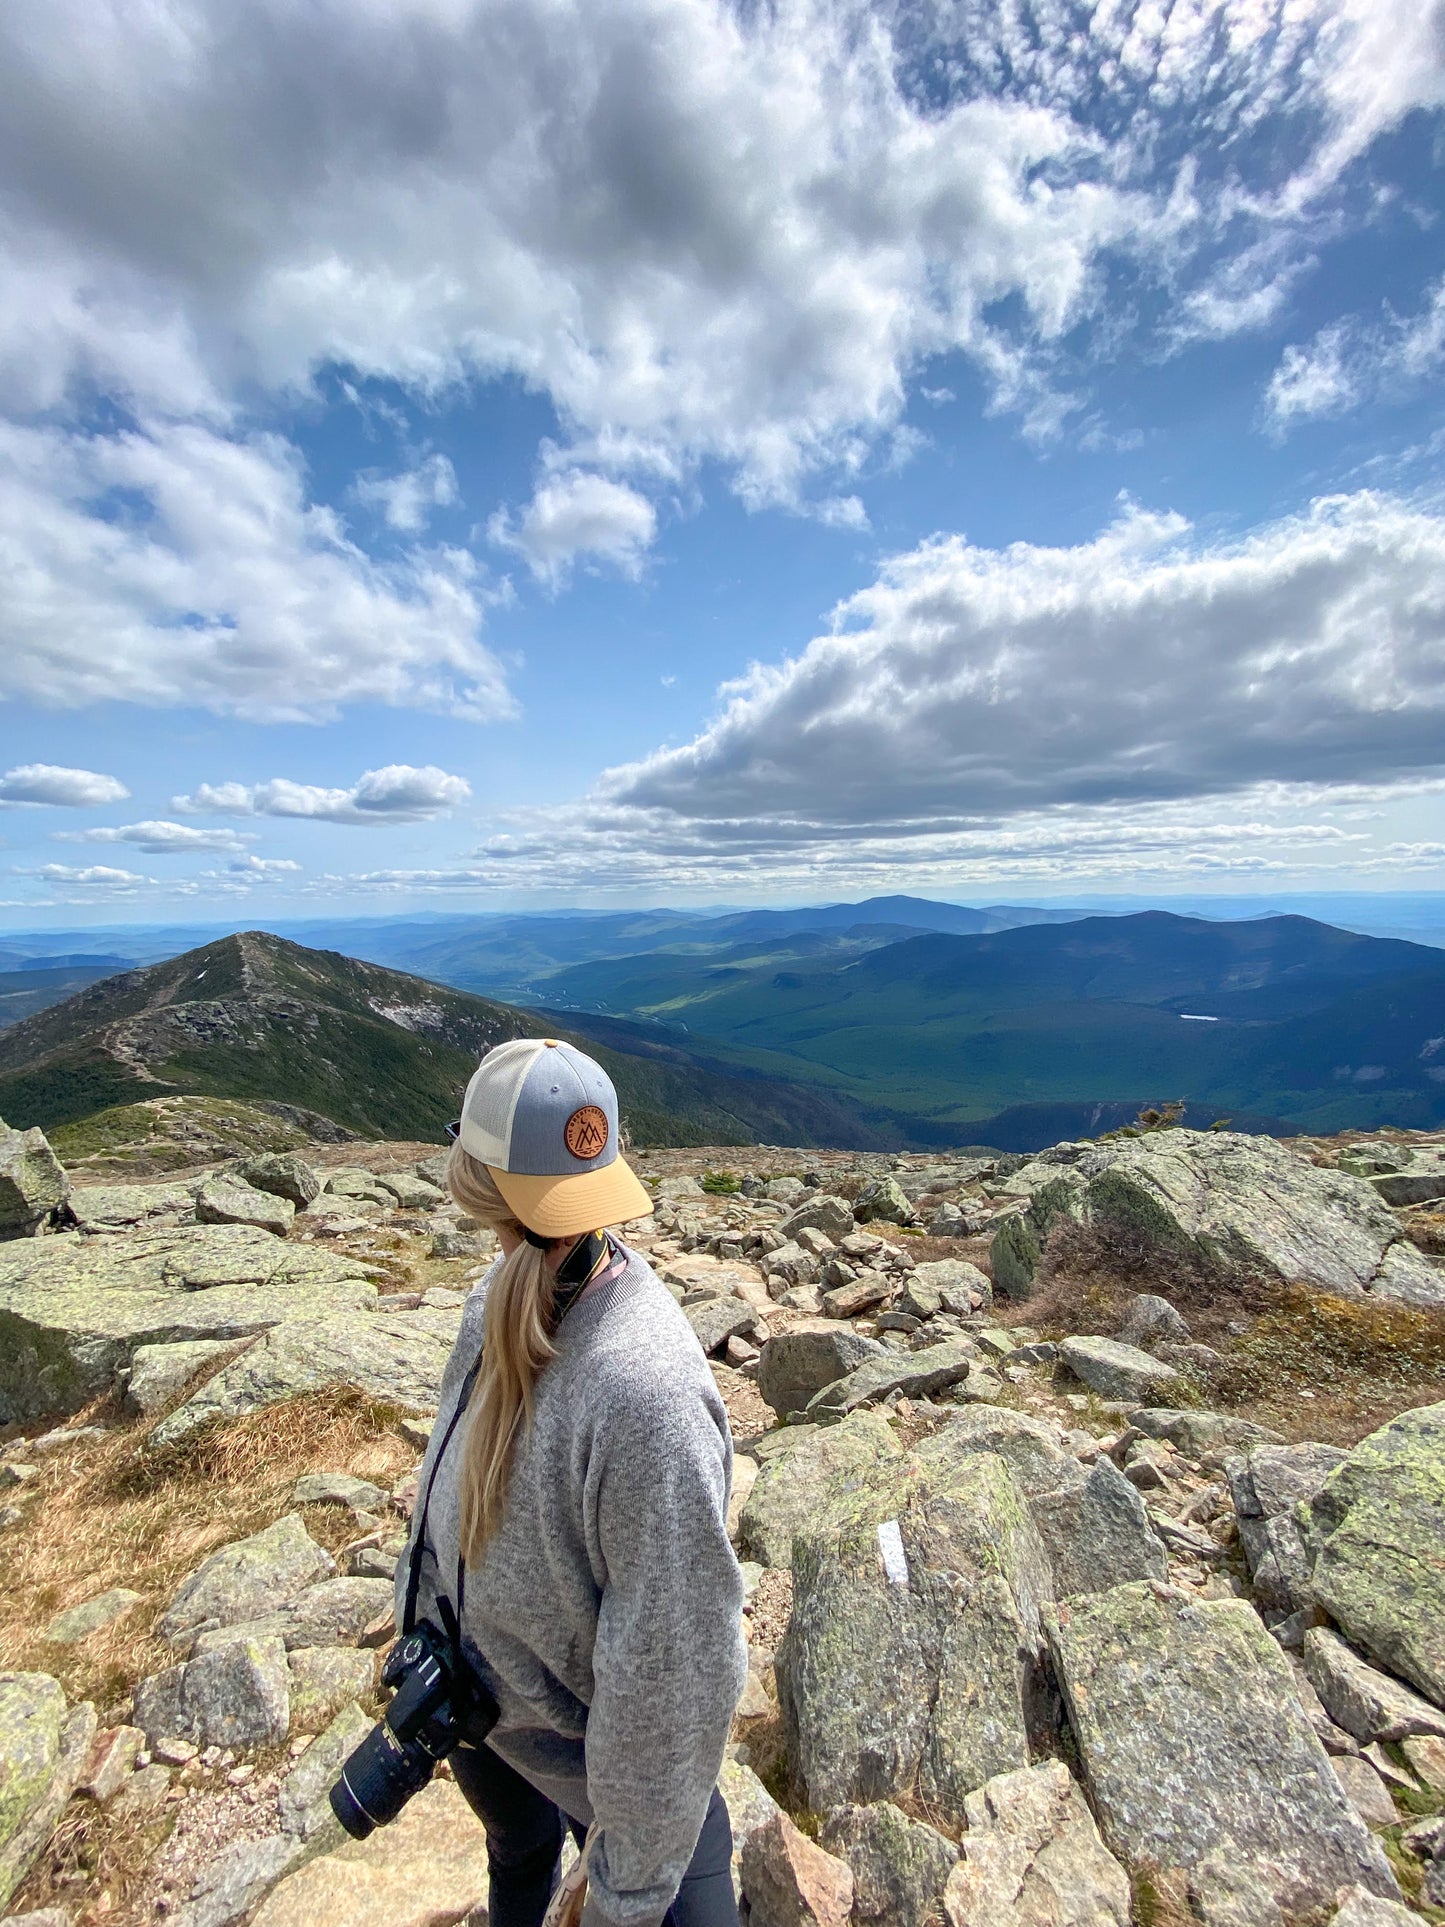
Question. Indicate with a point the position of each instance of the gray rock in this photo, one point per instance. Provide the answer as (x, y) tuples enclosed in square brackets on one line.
[(883, 1202), (159, 1374), (324, 1679), (1033, 1854), (397, 1357), (818, 1473), (797, 1364), (303, 1801), (220, 1202), (1117, 1371), (43, 1750), (1364, 1909), (1374, 1537), (716, 1320), (447, 1243), (338, 1488), (1419, 1185), (239, 1695), (1365, 1790), (1268, 1478), (1193, 1743), (75, 1623), (868, 1289), (782, 1191), (74, 1311), (284, 1174), (929, 1686), (115, 1207), (237, 1879), (42, 1917), (1200, 1435), (351, 1181), (750, 1806), (900, 1866), (412, 1193), (1280, 1565), (333, 1613), (949, 1221), (1149, 1319), (911, 1374), (433, 1170), (33, 1183), (1235, 1205), (1097, 1531), (819, 1212), (246, 1580), (946, 1284), (1368, 1704)]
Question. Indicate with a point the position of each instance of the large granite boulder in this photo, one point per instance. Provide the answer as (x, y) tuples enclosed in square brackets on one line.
[(44, 1746), (1268, 1482), (797, 1364), (74, 1311), (1196, 1748), (236, 1695), (945, 1284), (1033, 1854), (820, 1212), (115, 1207), (227, 1201), (1233, 1204), (160, 1373), (284, 1174), (817, 1474), (911, 1663), (1116, 1370), (1374, 1537), (883, 1201), (398, 1357), (33, 1183)]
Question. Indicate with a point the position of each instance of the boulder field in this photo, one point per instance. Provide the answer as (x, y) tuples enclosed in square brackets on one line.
[(1041, 1634)]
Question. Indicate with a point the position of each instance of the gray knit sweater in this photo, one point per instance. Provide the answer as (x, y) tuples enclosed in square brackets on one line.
[(605, 1615)]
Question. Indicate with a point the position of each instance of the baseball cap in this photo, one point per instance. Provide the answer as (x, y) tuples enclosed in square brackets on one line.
[(542, 1116)]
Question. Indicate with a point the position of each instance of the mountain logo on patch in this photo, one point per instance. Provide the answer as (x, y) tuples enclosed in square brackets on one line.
[(586, 1132)]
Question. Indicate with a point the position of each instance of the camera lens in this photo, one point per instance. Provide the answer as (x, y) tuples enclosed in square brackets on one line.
[(377, 1781)]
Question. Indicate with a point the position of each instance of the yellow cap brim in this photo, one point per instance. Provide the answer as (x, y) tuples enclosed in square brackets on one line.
[(585, 1201)]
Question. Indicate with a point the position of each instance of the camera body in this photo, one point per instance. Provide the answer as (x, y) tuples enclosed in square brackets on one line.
[(431, 1711)]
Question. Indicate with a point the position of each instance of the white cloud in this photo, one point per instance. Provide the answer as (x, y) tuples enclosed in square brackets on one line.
[(183, 566), (703, 231), (1013, 708), (60, 787), (579, 514), (398, 793), (406, 501), (1353, 361), (95, 876), (258, 866), (159, 838)]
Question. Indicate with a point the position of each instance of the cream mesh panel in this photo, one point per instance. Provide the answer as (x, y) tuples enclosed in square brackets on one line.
[(492, 1099)]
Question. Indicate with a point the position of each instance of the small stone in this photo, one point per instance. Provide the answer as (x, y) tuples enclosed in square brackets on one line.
[(75, 1623), (1365, 1790), (172, 1750), (416, 1431), (112, 1760), (1427, 1759), (144, 1791), (1360, 1908), (323, 1680), (13, 1474), (789, 1882), (883, 1201), (337, 1488)]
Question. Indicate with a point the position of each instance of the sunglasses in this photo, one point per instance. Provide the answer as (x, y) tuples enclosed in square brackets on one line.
[(454, 1130)]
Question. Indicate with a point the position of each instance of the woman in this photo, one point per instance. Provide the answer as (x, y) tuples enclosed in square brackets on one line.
[(575, 1519)]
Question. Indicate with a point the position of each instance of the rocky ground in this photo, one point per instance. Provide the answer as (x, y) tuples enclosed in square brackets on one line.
[(1092, 1505)]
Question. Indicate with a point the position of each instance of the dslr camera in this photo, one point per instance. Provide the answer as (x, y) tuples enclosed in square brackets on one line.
[(431, 1711)]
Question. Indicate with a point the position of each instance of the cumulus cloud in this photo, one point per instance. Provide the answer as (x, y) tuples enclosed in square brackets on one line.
[(399, 793), (260, 866), (159, 838), (1014, 708), (1352, 361), (406, 501), (97, 877), (703, 231), (181, 565), (579, 514), (64, 788)]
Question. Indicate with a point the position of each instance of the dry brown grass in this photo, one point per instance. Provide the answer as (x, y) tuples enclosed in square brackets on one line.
[(116, 1515)]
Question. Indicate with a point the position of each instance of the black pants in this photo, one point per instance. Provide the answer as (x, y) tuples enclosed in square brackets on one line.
[(525, 1832)]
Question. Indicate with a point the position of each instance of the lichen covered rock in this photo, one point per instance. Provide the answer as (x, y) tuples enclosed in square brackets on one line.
[(43, 1748)]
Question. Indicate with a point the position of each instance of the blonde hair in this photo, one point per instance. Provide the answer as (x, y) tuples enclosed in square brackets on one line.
[(520, 1305)]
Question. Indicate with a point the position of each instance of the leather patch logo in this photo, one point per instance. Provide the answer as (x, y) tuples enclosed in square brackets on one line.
[(586, 1132)]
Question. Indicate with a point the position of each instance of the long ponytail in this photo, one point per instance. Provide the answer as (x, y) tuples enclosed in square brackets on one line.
[(518, 1345)]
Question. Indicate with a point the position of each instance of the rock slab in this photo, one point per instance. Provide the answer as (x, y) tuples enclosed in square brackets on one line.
[(1195, 1746), (1033, 1854)]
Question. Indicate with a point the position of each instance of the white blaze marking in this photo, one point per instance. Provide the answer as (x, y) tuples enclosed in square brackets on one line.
[(890, 1544)]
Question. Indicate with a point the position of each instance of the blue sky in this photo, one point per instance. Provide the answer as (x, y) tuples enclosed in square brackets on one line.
[(461, 456)]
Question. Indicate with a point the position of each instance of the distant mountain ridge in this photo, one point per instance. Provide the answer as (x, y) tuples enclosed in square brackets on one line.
[(380, 1052)]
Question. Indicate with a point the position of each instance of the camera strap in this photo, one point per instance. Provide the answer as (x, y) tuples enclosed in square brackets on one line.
[(581, 1265)]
